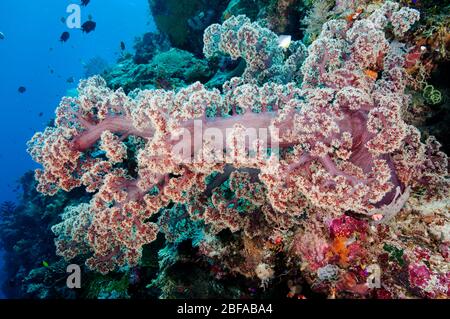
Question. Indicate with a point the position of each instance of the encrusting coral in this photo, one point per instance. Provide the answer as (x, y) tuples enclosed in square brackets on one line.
[(316, 131)]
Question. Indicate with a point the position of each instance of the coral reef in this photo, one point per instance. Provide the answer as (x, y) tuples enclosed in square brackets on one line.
[(231, 166), (335, 184), (258, 46)]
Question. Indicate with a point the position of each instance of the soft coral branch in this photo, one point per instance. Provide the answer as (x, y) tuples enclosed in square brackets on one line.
[(340, 136)]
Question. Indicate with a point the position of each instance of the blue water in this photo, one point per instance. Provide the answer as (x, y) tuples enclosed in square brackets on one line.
[(31, 48)]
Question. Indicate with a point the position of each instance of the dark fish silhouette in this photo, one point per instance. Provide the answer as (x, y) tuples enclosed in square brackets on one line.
[(22, 89), (122, 46), (40, 114), (70, 80), (85, 2), (2, 36), (63, 19), (88, 26), (64, 36)]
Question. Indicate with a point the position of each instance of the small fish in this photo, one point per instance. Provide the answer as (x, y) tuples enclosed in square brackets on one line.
[(70, 80), (284, 41), (64, 36), (122, 45), (22, 89), (2, 36), (40, 114), (85, 2), (63, 20), (88, 26), (45, 264)]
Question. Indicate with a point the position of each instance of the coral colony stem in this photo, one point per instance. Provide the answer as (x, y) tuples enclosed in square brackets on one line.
[(300, 130)]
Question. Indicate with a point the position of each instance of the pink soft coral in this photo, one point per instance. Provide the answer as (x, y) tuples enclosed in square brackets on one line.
[(343, 144)]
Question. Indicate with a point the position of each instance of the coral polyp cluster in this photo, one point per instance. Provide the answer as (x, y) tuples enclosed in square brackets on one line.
[(306, 155)]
